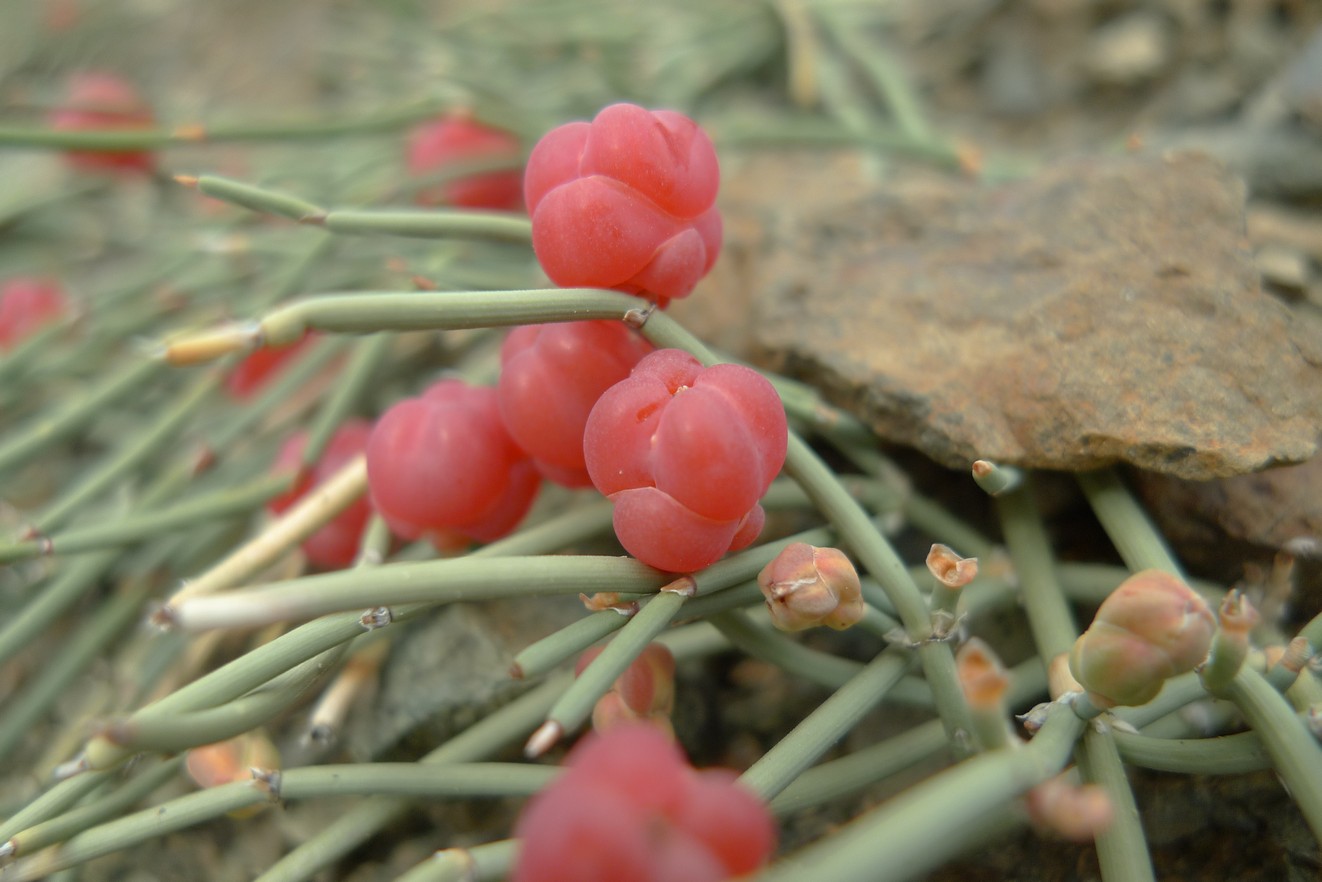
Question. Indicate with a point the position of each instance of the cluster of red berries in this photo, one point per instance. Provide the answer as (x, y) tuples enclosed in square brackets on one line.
[(684, 452), (629, 808)]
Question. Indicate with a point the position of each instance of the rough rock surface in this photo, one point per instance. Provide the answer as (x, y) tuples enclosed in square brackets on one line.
[(1105, 310)]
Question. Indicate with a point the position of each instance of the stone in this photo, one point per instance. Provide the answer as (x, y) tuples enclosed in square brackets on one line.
[(1105, 310)]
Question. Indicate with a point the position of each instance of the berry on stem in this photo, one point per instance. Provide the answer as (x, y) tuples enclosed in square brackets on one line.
[(98, 100), (335, 545), (550, 378), (685, 453), (26, 304), (457, 139), (629, 808), (442, 466), (626, 201)]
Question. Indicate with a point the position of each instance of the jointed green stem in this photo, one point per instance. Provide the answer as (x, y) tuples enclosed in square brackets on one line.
[(1049, 616), (478, 863), (1122, 849), (1126, 523)]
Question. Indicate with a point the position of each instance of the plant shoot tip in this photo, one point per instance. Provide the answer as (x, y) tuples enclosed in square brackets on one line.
[(543, 739)]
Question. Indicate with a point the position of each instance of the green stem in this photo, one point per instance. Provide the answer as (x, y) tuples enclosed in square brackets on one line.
[(1122, 849), (479, 863), (432, 224), (449, 781), (1132, 533), (71, 582), (53, 802), (913, 832), (136, 527), (820, 730), (575, 705), (774, 647), (1295, 753), (440, 581), (1049, 615), (1224, 755), (38, 435)]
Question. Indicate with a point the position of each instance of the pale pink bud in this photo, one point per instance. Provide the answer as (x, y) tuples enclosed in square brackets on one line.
[(807, 586), (981, 675), (1152, 627), (949, 568), (1077, 813)]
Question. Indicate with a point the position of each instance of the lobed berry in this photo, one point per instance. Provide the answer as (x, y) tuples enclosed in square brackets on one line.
[(629, 808), (100, 100), (442, 466), (626, 202), (457, 139), (806, 586), (685, 453), (335, 545), (550, 378), (26, 304)]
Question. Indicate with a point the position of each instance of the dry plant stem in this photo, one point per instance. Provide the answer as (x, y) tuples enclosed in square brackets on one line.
[(914, 832), (357, 675), (1122, 848), (1128, 526), (38, 435), (478, 863), (24, 709), (820, 730), (302, 520), (453, 780)]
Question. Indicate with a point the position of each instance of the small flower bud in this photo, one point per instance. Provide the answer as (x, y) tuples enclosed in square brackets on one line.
[(1077, 813), (1149, 629), (981, 675), (807, 586)]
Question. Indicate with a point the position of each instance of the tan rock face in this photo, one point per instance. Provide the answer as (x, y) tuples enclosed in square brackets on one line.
[(1105, 310)]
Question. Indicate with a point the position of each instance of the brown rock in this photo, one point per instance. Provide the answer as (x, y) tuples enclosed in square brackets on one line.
[(1106, 310)]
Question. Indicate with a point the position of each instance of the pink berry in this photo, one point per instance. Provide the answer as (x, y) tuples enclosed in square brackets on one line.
[(99, 100), (457, 139), (550, 377), (261, 366), (336, 544), (443, 466), (630, 803), (685, 452), (626, 202), (26, 304)]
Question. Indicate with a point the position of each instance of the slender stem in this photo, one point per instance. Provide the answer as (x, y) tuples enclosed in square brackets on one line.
[(774, 647), (72, 582), (1049, 615), (39, 434), (1126, 523), (1224, 755), (440, 581), (53, 802), (575, 705), (917, 829), (820, 730), (433, 224), (477, 863), (1295, 753), (1122, 849)]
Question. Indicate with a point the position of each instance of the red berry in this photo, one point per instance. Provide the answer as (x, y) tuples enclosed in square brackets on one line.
[(626, 202), (458, 139), (99, 100), (336, 544), (442, 466), (261, 366), (27, 303), (550, 377), (630, 803), (685, 452)]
